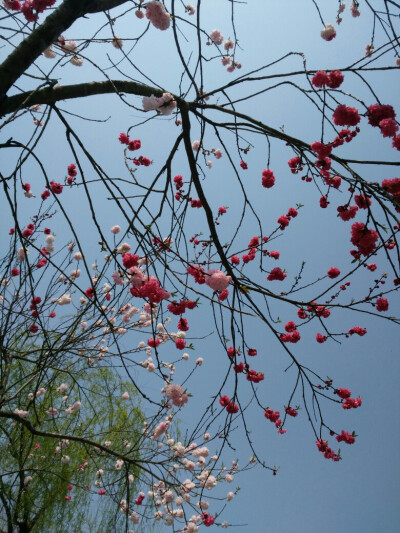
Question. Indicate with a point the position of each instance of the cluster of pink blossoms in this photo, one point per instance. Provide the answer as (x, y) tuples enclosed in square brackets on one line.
[(176, 394), (164, 104), (328, 33), (217, 280), (157, 15)]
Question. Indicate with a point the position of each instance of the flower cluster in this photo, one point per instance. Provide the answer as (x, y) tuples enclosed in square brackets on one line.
[(156, 13)]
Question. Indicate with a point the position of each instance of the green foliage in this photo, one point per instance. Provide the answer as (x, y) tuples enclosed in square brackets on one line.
[(39, 504)]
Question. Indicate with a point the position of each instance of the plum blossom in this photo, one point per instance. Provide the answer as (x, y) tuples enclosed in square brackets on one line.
[(65, 299), (217, 280), (117, 42), (164, 104), (49, 53), (216, 37), (76, 61), (22, 254), (328, 33), (176, 394), (155, 12)]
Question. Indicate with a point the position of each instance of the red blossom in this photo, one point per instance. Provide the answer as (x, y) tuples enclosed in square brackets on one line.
[(180, 344), (290, 411), (365, 239), (333, 273), (346, 437), (343, 393), (276, 274), (377, 113), (346, 116), (382, 304), (56, 188), (268, 178)]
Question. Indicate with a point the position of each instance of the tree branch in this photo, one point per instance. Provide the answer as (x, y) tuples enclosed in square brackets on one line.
[(80, 90), (44, 35)]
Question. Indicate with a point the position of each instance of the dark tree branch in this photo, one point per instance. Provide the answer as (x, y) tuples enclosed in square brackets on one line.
[(44, 35)]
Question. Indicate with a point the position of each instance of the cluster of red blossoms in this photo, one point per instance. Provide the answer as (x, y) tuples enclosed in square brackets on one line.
[(268, 178), (72, 173), (276, 274), (346, 116), (349, 403), (178, 308), (382, 304), (365, 239), (346, 437), (144, 161), (132, 145), (150, 289), (292, 334), (230, 405), (295, 164), (383, 116), (333, 80), (359, 331), (347, 212), (197, 273), (392, 186), (56, 188), (178, 180), (239, 368), (284, 220), (274, 417), (29, 8), (208, 520), (323, 447)]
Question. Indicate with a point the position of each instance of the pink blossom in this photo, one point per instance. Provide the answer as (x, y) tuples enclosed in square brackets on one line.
[(216, 37), (151, 103), (217, 280), (328, 33), (155, 12), (116, 276), (117, 42)]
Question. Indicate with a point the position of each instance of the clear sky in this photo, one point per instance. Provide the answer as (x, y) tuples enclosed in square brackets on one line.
[(309, 494)]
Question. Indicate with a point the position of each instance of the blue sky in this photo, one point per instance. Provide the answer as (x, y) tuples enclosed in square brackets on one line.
[(360, 493)]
